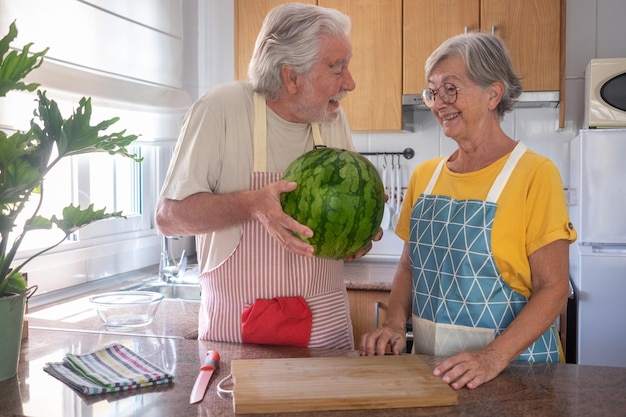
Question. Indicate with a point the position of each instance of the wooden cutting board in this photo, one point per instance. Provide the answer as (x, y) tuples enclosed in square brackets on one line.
[(336, 383)]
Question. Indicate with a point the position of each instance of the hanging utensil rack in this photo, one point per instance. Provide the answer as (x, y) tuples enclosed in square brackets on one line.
[(408, 153)]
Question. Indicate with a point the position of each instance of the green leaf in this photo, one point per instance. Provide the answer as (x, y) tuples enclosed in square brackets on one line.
[(38, 223), (75, 135), (15, 66), (21, 169), (16, 282), (74, 218)]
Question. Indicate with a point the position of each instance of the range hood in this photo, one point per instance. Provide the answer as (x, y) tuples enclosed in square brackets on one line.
[(413, 102), (526, 100)]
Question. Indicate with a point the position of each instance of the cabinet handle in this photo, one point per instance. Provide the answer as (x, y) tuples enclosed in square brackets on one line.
[(465, 30), (493, 29), (376, 316)]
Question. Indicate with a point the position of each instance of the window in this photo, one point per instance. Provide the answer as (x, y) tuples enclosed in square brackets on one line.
[(133, 69), (57, 193), (112, 182), (117, 184)]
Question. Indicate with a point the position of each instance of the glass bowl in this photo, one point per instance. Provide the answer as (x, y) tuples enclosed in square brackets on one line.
[(126, 309)]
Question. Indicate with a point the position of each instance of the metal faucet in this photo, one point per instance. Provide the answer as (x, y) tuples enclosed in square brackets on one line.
[(168, 268)]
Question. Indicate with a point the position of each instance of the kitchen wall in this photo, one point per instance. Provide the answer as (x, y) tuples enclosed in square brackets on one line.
[(595, 29)]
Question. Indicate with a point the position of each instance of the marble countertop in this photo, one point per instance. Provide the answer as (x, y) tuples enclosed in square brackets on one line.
[(521, 390), (369, 275), (71, 326)]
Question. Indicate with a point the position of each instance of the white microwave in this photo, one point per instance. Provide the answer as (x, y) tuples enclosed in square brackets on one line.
[(605, 93)]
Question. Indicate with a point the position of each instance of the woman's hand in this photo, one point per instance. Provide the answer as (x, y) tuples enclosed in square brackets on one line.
[(549, 266), (393, 330), (471, 369), (375, 343)]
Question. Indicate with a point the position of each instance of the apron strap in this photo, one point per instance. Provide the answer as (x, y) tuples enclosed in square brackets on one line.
[(499, 182), (317, 136), (260, 134), (505, 173), (435, 177)]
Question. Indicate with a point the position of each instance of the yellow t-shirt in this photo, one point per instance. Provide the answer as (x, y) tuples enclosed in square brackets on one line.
[(531, 213)]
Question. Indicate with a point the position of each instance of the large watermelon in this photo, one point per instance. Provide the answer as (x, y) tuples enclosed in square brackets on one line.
[(340, 196)]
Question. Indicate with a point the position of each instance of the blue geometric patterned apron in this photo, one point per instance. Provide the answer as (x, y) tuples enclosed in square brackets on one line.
[(460, 300)]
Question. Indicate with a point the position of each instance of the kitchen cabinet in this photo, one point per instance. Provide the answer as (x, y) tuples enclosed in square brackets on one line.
[(533, 30), (365, 307), (249, 15), (427, 23), (376, 65)]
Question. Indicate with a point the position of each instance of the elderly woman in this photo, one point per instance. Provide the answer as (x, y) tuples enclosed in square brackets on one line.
[(484, 270)]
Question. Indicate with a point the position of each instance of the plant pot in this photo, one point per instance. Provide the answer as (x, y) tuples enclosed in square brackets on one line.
[(11, 319)]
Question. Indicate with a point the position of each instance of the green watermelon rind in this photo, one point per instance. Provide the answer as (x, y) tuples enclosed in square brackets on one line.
[(323, 176)]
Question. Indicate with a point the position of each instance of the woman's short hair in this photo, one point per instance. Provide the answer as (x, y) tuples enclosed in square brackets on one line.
[(486, 61), (290, 35)]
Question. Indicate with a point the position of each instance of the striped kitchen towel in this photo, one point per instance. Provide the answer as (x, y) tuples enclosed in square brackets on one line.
[(110, 369)]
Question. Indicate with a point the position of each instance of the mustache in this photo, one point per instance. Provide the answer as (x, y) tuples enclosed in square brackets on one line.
[(340, 96)]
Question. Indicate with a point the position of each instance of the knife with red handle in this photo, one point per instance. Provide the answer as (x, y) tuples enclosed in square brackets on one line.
[(211, 362)]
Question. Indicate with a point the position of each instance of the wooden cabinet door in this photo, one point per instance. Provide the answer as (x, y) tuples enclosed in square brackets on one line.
[(376, 65), (364, 306), (249, 16), (531, 30), (427, 23)]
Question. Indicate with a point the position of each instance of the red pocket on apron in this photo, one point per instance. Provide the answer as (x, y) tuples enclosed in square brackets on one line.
[(284, 321)]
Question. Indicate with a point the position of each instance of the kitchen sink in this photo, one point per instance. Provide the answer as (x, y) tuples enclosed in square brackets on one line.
[(184, 291)]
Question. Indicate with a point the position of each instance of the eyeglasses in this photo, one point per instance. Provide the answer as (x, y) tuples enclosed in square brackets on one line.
[(447, 93)]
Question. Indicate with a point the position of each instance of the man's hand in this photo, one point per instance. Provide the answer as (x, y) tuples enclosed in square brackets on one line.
[(366, 248), (281, 226)]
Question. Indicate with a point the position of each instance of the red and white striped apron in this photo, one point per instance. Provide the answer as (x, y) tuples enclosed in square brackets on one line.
[(261, 268)]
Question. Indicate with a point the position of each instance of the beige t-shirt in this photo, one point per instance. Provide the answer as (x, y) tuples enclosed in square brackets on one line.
[(214, 154)]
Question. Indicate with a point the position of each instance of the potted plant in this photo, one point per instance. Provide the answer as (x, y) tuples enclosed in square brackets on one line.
[(25, 159)]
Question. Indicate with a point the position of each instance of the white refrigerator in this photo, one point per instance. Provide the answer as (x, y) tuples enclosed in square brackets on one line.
[(597, 199)]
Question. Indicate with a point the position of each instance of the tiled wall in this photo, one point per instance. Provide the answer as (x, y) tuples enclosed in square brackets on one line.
[(536, 127)]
